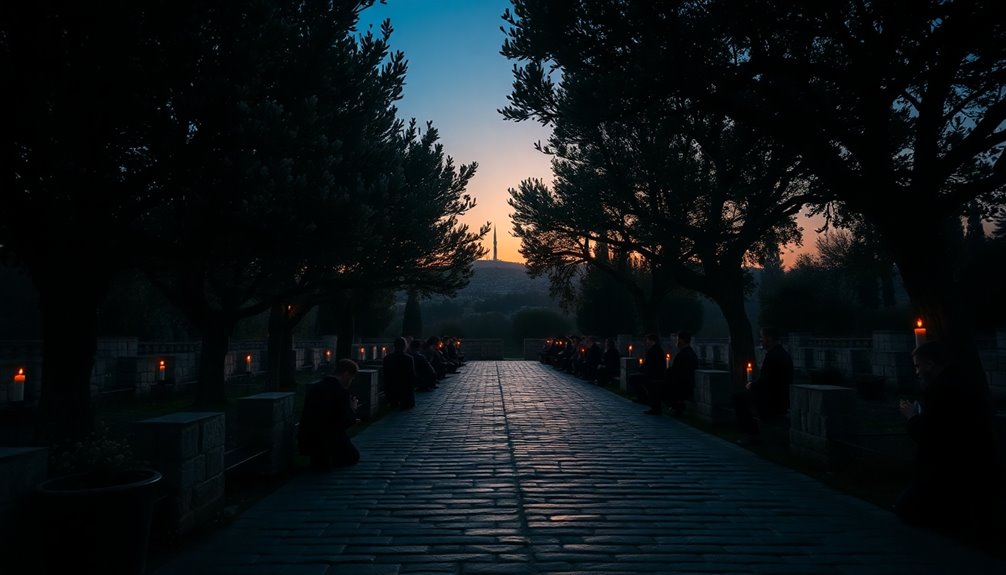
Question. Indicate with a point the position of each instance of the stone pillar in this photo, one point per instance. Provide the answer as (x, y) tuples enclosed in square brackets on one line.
[(188, 449), (627, 367), (366, 388), (267, 420), (713, 395), (820, 417)]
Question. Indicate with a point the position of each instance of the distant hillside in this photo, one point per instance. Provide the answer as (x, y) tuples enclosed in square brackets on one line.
[(497, 277)]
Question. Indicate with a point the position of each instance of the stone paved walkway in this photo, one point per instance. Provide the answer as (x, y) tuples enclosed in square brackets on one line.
[(512, 467)]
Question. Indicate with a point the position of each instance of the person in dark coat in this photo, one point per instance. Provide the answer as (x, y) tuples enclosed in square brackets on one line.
[(426, 375), (768, 395), (957, 480), (329, 411), (611, 363), (653, 372), (400, 377), (681, 375)]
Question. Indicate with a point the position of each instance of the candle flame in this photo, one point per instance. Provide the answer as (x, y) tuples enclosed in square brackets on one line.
[(749, 366), (161, 364), (918, 322), (20, 371)]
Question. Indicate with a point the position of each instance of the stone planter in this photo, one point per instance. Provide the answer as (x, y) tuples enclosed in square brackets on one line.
[(98, 523)]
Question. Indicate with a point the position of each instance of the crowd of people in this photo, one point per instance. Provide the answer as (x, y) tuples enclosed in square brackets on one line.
[(413, 365), (663, 377)]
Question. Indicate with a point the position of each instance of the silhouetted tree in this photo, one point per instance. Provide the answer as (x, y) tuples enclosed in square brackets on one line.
[(87, 109), (898, 111), (696, 195)]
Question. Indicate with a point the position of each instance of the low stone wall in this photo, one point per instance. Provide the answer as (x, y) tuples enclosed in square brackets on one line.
[(821, 416), (627, 366), (366, 387), (713, 396), (188, 449), (267, 421)]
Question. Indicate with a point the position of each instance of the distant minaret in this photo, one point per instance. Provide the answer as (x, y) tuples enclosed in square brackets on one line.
[(494, 244)]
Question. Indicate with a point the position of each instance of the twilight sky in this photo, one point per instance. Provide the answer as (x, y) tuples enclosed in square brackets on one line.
[(457, 79)]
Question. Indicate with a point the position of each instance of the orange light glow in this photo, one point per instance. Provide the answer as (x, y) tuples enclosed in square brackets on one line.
[(19, 377)]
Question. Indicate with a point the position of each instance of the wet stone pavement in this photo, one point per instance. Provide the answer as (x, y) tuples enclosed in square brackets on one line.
[(512, 467)]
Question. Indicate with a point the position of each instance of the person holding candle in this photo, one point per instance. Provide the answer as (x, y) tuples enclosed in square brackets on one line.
[(768, 394), (650, 381), (957, 480), (329, 411)]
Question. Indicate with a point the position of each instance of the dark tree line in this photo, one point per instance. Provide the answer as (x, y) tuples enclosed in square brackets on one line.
[(244, 156), (691, 133)]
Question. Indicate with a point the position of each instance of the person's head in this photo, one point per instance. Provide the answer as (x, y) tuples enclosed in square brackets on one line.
[(400, 344), (930, 359), (769, 337), (416, 346), (609, 343), (345, 370), (684, 338)]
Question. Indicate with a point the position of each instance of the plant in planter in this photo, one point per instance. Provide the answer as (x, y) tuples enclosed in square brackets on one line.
[(97, 507)]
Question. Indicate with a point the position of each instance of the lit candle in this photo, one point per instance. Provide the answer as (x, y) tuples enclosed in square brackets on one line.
[(384, 351), (640, 361), (161, 367), (248, 363), (749, 372), (328, 355), (630, 349), (667, 361), (363, 353), (17, 390), (920, 333)]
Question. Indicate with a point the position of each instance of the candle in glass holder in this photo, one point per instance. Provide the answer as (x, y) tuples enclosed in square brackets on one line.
[(384, 351), (667, 360), (161, 369), (749, 371), (363, 353), (920, 333), (248, 363)]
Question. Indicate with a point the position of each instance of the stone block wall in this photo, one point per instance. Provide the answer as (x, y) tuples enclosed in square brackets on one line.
[(713, 397), (188, 449), (267, 420), (821, 416)]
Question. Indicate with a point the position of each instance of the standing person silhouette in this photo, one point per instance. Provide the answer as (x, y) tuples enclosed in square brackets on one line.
[(957, 479), (681, 375), (768, 395)]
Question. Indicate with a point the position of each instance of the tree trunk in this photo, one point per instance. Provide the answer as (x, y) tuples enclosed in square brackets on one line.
[(211, 390), (929, 266), (69, 299), (730, 299)]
